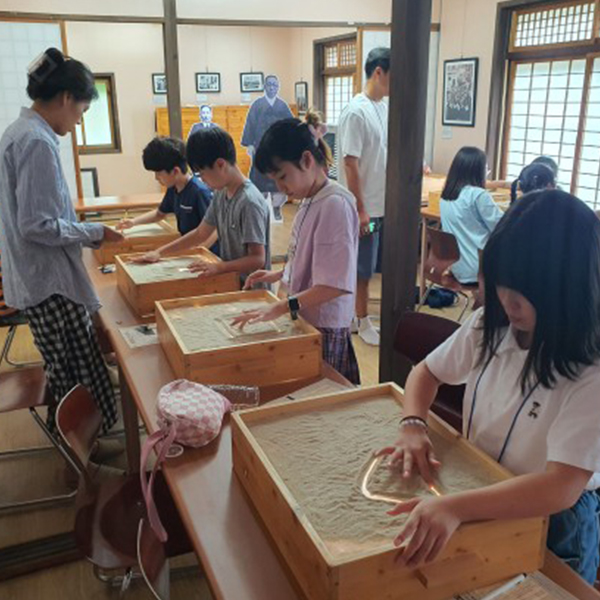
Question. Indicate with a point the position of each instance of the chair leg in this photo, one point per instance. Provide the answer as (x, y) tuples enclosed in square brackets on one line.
[(12, 330), (54, 441), (48, 500), (425, 296), (464, 310)]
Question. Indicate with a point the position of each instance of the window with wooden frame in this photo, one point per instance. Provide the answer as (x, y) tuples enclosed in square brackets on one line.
[(553, 98), (98, 132), (338, 70)]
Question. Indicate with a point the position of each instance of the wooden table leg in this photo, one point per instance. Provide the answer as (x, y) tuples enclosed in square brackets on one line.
[(131, 425), (423, 256)]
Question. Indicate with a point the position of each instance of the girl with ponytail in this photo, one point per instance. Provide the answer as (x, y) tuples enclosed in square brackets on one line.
[(319, 277)]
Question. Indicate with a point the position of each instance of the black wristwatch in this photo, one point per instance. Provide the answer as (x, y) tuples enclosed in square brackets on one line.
[(294, 306)]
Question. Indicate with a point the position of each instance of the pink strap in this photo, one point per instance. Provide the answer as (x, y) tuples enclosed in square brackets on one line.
[(165, 439)]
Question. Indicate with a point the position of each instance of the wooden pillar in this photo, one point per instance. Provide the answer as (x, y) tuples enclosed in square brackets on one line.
[(172, 68), (411, 27)]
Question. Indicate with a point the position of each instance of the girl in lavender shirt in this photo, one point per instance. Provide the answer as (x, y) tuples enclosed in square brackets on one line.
[(320, 274)]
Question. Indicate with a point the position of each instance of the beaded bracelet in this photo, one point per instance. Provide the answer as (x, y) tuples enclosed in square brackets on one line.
[(414, 421)]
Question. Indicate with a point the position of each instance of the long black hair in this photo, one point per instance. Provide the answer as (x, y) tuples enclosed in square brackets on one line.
[(287, 140), (54, 73), (547, 248), (468, 168), (536, 176)]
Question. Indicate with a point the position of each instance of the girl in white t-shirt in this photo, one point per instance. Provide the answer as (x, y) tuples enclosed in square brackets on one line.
[(529, 360)]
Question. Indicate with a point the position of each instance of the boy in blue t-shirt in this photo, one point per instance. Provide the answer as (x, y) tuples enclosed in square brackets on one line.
[(187, 197)]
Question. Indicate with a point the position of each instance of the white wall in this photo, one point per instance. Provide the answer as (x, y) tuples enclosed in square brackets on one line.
[(144, 8), (467, 30), (350, 11), (132, 52), (230, 51)]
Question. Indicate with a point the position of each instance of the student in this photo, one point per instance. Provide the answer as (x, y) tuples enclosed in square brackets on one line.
[(320, 275), (187, 197), (544, 160), (530, 361), (238, 213), (536, 176), (362, 142), (468, 211), (40, 238)]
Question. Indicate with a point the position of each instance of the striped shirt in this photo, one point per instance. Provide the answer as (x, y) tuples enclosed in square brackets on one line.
[(40, 238)]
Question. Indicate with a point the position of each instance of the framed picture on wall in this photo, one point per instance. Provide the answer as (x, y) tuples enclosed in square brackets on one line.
[(460, 92), (252, 82), (159, 83), (208, 83), (301, 95)]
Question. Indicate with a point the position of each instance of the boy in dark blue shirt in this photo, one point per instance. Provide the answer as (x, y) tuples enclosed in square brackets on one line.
[(187, 197)]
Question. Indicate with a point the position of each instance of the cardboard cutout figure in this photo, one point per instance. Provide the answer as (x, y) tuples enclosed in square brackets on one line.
[(263, 112), (205, 119)]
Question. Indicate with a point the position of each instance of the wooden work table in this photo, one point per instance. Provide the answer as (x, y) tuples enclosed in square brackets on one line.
[(117, 203), (236, 553)]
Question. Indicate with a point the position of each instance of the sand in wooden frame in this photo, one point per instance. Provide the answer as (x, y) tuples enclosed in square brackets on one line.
[(303, 466), (201, 345), (140, 238), (143, 285)]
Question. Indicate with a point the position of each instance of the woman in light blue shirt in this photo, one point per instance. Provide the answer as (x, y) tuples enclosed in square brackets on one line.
[(468, 211), (40, 238)]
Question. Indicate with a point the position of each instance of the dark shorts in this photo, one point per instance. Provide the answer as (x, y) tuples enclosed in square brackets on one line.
[(368, 250), (573, 536)]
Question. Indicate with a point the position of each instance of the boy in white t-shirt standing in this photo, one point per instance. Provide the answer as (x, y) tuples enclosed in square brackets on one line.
[(362, 143)]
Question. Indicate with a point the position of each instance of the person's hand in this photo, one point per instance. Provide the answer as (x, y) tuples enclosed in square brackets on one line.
[(125, 224), (431, 523), (204, 268), (364, 220), (149, 257), (272, 312), (262, 276), (111, 236), (413, 451)]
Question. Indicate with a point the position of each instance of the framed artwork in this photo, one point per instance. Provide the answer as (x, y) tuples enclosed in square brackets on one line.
[(301, 95), (208, 83), (460, 92), (252, 82), (159, 83)]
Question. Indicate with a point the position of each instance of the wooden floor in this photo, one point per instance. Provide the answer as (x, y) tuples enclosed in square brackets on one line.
[(38, 474)]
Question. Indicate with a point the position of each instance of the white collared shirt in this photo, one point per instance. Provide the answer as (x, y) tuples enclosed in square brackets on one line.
[(557, 425)]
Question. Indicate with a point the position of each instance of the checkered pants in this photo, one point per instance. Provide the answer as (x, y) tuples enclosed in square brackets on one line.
[(65, 336), (338, 351)]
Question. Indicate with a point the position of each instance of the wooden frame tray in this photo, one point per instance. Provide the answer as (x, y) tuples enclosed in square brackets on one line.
[(141, 238), (275, 356), (478, 554), (141, 295)]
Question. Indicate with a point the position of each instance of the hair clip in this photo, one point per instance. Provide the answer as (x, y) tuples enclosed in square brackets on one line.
[(317, 132), (43, 60)]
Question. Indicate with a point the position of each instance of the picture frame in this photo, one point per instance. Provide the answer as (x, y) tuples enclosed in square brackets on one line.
[(301, 96), (460, 92), (208, 83), (252, 82), (159, 83)]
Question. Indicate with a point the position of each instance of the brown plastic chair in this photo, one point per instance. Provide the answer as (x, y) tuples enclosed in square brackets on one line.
[(109, 510), (418, 334), (10, 318), (153, 562), (442, 254), (25, 389)]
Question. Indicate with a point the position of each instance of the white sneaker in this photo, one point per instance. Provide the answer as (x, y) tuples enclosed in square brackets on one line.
[(367, 333)]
